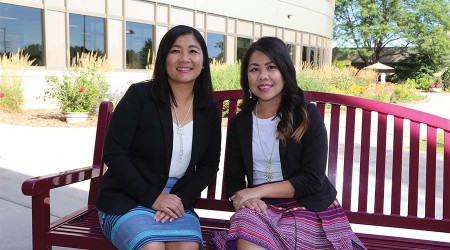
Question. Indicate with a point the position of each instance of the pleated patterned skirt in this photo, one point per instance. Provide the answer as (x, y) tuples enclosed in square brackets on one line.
[(289, 226)]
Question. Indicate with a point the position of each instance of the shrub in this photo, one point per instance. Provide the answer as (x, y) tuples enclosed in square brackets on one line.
[(446, 78), (424, 82), (225, 76), (82, 88)]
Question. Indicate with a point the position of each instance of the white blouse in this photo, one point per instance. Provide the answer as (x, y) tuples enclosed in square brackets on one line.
[(267, 129), (181, 150)]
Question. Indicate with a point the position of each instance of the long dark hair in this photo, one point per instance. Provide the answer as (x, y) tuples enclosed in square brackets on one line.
[(161, 89), (293, 98)]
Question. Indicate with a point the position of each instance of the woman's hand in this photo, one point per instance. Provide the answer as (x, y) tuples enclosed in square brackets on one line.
[(162, 217), (170, 205), (255, 204), (244, 195)]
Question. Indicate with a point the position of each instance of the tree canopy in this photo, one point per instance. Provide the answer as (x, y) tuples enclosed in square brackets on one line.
[(370, 26)]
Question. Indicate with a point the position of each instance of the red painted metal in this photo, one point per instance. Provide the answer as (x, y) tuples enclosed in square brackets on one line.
[(348, 158), (380, 165), (365, 131), (413, 185), (397, 161), (333, 145), (364, 160)]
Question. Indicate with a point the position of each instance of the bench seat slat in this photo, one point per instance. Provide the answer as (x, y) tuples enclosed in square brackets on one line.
[(397, 221), (393, 243)]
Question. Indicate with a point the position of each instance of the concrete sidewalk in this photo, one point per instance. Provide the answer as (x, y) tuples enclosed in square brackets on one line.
[(32, 151)]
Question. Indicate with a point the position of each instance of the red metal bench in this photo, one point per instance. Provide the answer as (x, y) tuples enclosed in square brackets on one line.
[(375, 160)]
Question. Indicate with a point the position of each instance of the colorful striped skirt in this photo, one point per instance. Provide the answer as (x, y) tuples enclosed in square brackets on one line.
[(290, 226), (138, 227)]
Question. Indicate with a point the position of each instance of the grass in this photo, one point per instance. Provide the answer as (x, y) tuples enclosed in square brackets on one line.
[(439, 143)]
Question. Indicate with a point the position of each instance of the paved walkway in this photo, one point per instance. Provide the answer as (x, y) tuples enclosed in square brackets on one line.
[(33, 151)]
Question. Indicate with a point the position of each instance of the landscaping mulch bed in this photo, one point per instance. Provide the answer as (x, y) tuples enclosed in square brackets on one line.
[(42, 118)]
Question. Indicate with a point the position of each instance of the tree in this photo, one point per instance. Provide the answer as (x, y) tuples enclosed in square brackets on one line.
[(372, 25), (147, 53), (35, 53), (218, 57)]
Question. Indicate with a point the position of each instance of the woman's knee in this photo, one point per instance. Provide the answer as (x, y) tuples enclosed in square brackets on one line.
[(185, 245)]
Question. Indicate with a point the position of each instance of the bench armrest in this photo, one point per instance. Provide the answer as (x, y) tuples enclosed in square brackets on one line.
[(37, 185)]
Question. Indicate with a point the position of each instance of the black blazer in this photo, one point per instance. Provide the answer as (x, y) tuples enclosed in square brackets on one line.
[(302, 163), (138, 151)]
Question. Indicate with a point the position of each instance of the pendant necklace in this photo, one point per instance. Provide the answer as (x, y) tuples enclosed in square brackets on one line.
[(180, 128), (268, 175)]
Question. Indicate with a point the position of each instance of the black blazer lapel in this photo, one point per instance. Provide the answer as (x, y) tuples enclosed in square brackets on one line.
[(246, 127), (196, 135), (167, 128)]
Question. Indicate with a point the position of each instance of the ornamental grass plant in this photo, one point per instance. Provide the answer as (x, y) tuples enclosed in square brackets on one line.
[(11, 90), (82, 87), (341, 80)]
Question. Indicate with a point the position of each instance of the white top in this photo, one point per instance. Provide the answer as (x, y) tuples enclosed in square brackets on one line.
[(180, 160), (267, 130)]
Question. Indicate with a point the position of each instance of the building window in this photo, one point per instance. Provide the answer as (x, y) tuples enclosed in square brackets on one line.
[(312, 63), (139, 42), (21, 30), (242, 45), (87, 34), (319, 57), (291, 49), (215, 44), (305, 58)]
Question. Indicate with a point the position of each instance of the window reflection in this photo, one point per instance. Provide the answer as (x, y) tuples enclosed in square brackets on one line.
[(319, 57), (87, 34), (215, 44), (242, 45), (291, 49), (21, 30), (305, 58), (139, 41), (311, 57)]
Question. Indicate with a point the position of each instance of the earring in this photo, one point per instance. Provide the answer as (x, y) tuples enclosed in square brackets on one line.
[(250, 93)]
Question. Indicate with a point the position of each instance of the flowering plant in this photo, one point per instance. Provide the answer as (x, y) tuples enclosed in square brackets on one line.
[(437, 84), (79, 90), (82, 88)]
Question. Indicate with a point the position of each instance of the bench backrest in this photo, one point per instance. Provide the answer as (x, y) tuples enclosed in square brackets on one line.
[(383, 159)]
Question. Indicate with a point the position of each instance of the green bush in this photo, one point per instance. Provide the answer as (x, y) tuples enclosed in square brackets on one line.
[(225, 76), (83, 87), (78, 90), (446, 78), (424, 82), (410, 83)]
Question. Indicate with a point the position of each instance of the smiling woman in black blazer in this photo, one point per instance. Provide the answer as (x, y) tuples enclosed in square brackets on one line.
[(275, 161), (162, 149)]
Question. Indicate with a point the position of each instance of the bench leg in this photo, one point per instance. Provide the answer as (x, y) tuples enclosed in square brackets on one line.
[(40, 220)]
